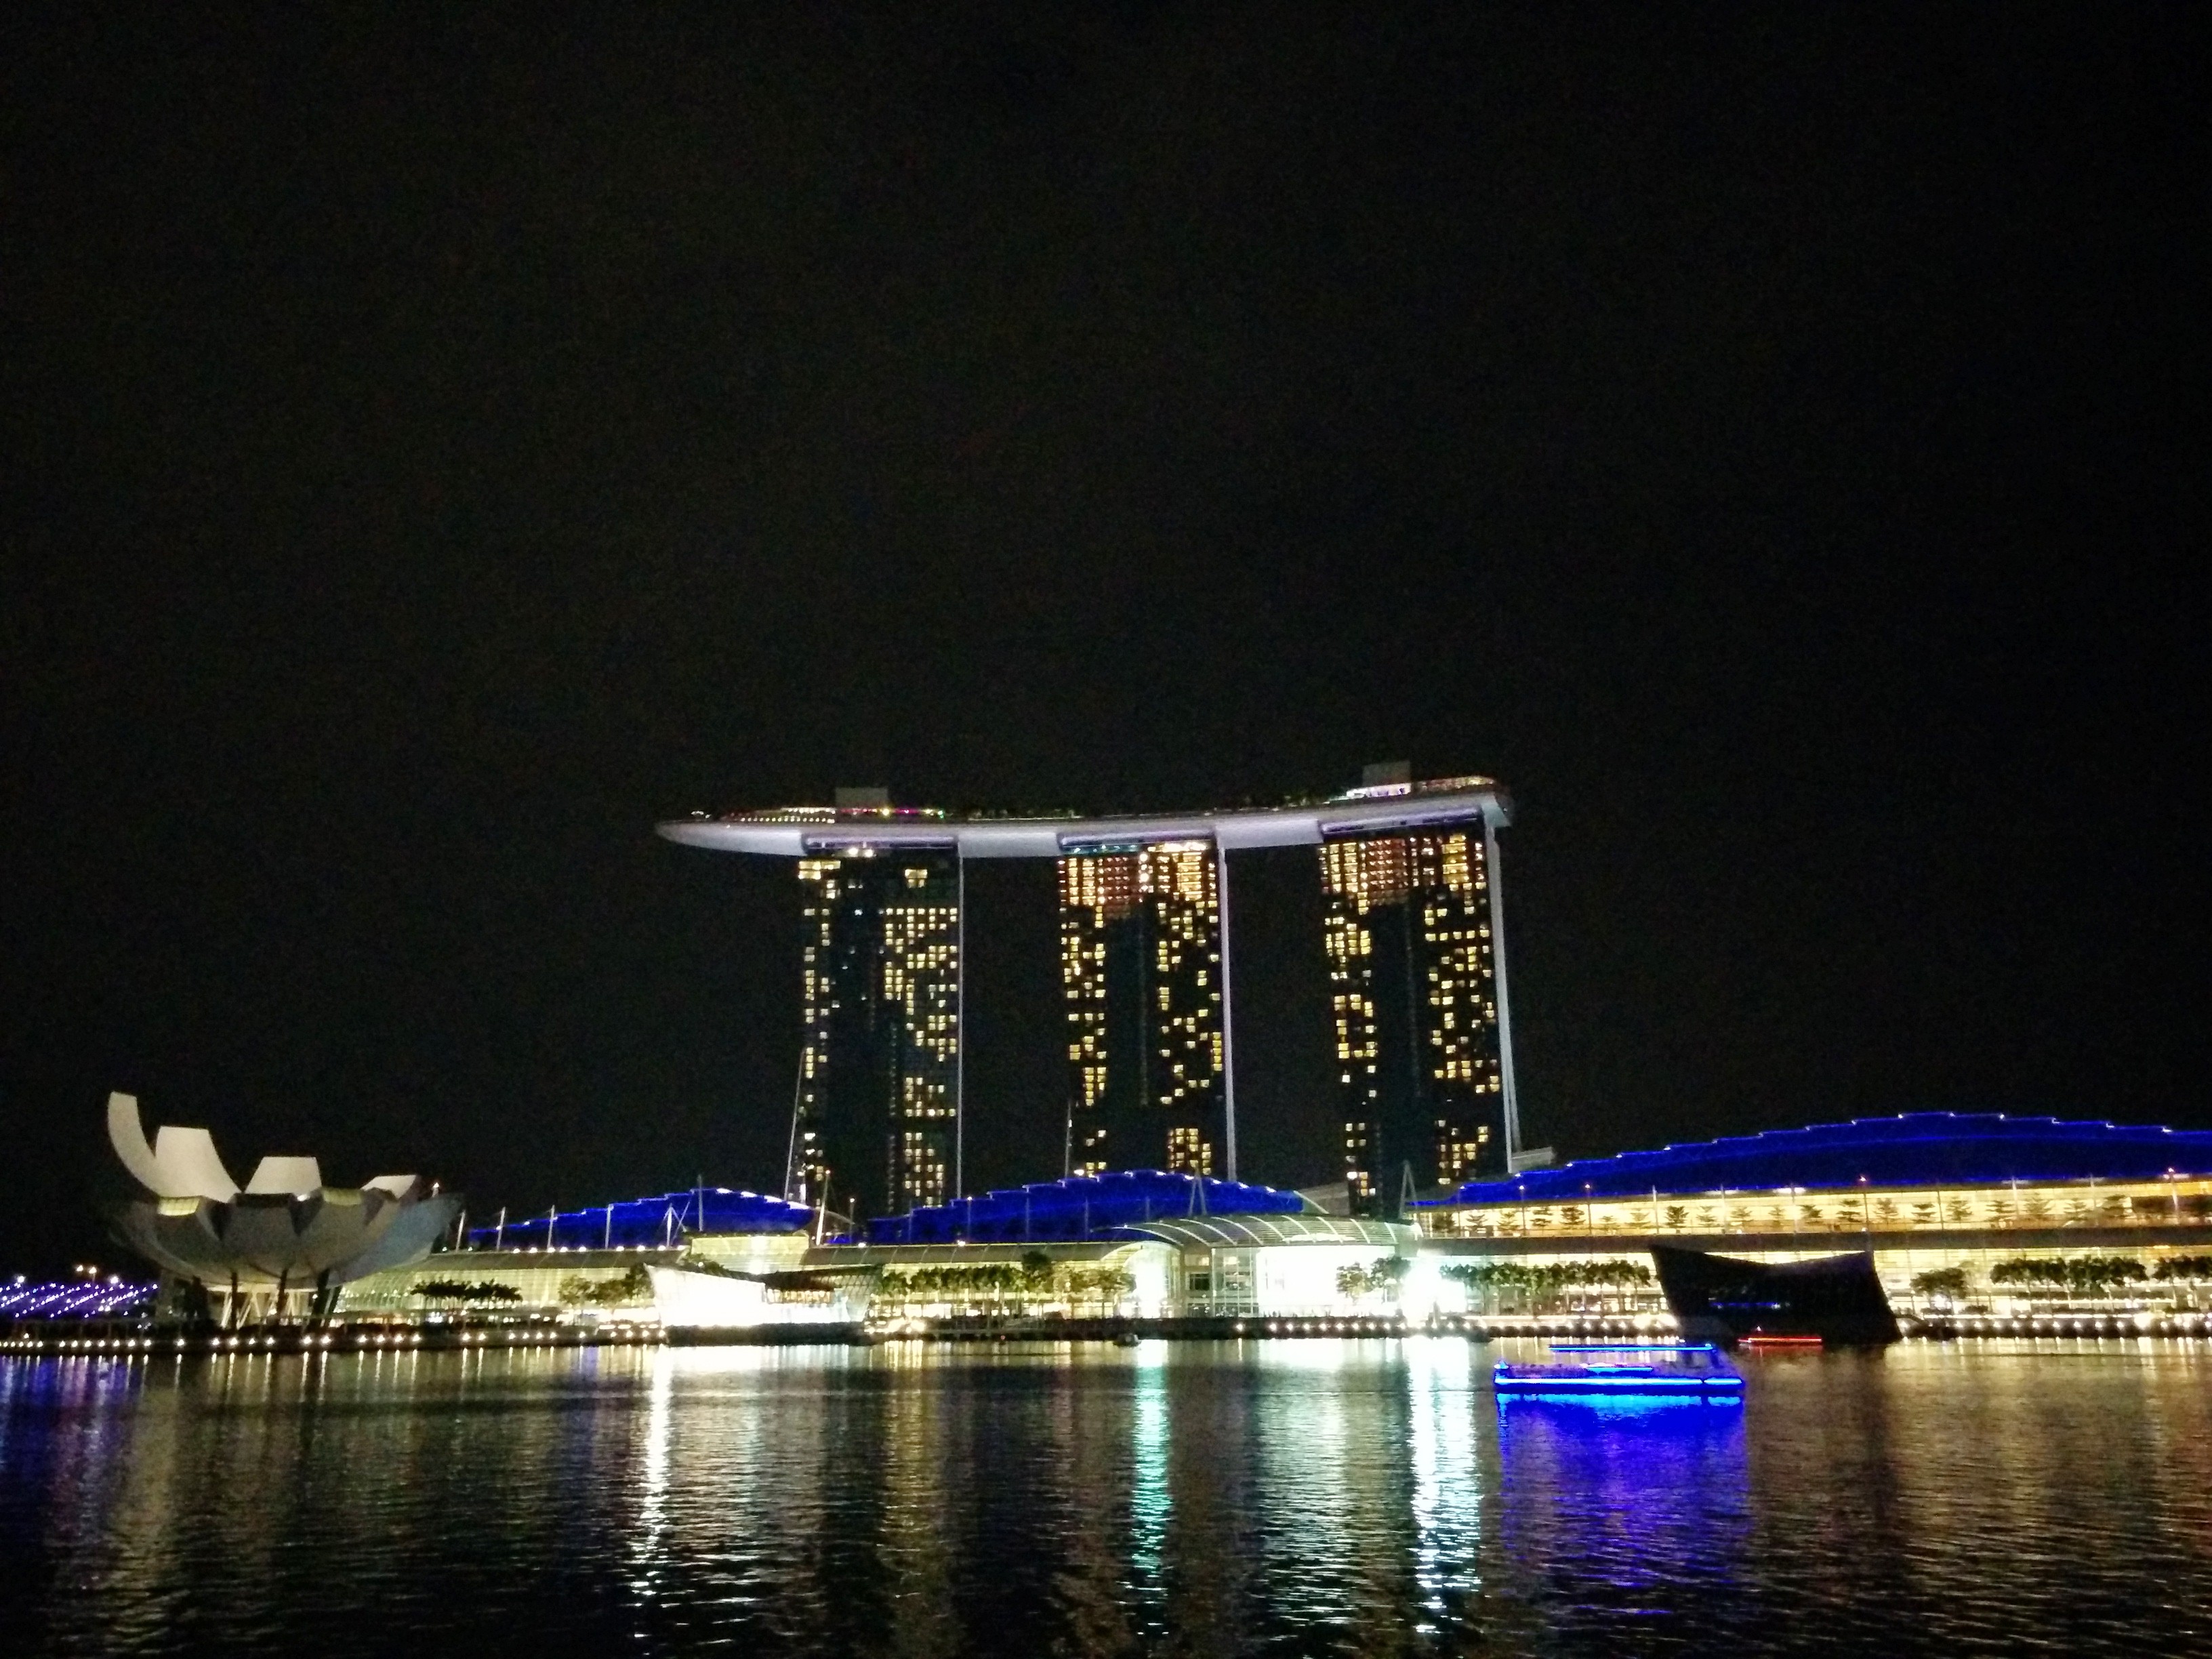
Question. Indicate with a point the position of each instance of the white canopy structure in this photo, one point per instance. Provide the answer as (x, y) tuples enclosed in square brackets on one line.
[(284, 1231)]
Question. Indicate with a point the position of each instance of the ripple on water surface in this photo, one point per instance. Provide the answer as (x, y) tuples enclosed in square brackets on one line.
[(1290, 1498)]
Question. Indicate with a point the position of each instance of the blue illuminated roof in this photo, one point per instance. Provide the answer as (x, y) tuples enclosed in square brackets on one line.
[(667, 1219), (1920, 1149), (1079, 1207)]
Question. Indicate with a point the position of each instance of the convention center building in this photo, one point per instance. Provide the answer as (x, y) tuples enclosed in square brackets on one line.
[(1974, 1221)]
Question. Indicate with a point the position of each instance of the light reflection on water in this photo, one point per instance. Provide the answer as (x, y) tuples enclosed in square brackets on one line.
[(1293, 1497), (1630, 1513), (1447, 1479)]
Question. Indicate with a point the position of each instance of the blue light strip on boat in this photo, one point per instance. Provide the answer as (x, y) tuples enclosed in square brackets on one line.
[(1620, 1400), (1550, 1387)]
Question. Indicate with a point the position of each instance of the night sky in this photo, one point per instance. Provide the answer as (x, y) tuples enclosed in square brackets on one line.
[(432, 449)]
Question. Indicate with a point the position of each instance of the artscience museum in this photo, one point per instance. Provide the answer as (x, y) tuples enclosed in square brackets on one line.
[(277, 1247)]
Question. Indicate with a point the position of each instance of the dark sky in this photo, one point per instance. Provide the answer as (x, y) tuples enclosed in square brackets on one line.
[(434, 449)]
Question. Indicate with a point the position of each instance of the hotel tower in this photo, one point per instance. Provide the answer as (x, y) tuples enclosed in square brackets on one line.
[(1141, 964), (875, 1129), (1413, 990)]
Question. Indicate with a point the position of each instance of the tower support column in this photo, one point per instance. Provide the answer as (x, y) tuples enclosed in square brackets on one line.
[(1228, 1013), (1510, 1102), (960, 1023)]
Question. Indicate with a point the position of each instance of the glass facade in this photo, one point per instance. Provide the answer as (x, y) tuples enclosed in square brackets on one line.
[(2005, 1256), (1141, 964), (877, 1121), (1829, 1219), (1971, 1216), (1413, 987)]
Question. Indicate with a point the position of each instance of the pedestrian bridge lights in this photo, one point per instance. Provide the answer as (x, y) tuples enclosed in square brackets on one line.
[(1413, 933)]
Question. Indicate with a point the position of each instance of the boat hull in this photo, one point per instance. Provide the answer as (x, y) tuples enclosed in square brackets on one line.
[(1673, 1388)]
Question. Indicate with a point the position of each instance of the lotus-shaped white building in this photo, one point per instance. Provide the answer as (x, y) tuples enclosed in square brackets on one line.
[(283, 1238)]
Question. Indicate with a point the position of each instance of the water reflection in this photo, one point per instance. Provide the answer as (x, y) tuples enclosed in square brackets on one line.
[(649, 1541), (1447, 1483), (917, 1548), (1098, 1597), (1335, 1536), (1149, 1499), (1620, 1513), (1300, 1497)]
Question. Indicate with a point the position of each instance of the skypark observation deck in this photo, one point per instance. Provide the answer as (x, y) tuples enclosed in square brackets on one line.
[(794, 832)]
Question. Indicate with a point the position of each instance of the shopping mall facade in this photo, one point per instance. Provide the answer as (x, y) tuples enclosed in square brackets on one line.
[(1975, 1223)]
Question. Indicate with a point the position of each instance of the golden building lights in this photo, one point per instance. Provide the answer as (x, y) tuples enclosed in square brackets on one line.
[(1141, 969), (1406, 932), (877, 1116), (1417, 991)]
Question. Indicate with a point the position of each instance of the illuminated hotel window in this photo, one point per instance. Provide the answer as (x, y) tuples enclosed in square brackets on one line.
[(1139, 949), (879, 1077)]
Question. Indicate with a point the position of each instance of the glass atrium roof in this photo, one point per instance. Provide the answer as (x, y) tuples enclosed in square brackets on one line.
[(1234, 1231), (1919, 1149)]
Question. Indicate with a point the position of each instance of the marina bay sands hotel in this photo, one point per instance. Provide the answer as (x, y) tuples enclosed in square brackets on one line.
[(1411, 928)]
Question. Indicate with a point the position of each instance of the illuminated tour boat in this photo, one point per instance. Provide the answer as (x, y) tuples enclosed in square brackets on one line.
[(1681, 1370)]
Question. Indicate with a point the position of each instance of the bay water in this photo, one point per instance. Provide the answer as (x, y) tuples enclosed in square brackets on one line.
[(1266, 1498)]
